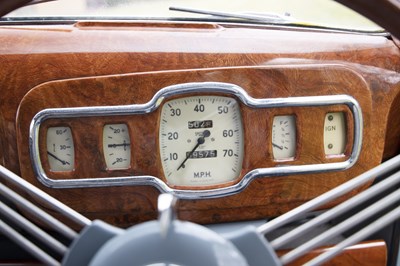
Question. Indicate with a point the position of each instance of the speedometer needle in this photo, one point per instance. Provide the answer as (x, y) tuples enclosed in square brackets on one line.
[(58, 159), (200, 141)]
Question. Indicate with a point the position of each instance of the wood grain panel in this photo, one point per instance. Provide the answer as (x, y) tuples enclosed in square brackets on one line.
[(264, 197), (392, 140), (371, 253), (31, 55)]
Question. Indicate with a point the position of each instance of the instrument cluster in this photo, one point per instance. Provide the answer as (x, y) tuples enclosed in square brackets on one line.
[(201, 141)]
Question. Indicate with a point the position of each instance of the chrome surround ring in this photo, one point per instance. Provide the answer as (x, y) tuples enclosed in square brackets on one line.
[(180, 89)]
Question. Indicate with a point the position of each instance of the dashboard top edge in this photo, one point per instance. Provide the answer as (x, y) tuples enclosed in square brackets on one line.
[(70, 38), (182, 22)]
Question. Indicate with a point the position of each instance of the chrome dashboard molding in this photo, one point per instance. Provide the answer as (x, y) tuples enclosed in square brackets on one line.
[(181, 89)]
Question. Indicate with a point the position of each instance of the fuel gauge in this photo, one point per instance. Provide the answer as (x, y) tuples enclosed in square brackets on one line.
[(284, 137)]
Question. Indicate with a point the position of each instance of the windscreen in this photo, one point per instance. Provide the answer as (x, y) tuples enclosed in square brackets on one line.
[(325, 13)]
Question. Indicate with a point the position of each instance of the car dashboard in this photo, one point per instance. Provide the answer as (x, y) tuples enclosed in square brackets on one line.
[(240, 122)]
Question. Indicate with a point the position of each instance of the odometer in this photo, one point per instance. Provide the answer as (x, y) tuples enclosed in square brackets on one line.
[(201, 140), (200, 124)]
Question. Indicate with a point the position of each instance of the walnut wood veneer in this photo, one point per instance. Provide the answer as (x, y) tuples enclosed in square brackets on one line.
[(371, 253), (92, 63), (270, 196)]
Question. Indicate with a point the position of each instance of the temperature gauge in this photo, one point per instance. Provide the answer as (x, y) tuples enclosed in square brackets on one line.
[(116, 146), (284, 137), (60, 149)]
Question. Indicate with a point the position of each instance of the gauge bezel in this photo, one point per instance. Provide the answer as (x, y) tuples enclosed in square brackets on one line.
[(242, 144), (183, 89)]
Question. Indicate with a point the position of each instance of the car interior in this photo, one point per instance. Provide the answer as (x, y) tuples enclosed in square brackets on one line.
[(219, 139)]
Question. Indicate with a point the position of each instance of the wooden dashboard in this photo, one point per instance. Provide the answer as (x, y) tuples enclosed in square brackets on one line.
[(114, 63)]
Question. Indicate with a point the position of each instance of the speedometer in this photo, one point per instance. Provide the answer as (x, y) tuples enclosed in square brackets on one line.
[(201, 140)]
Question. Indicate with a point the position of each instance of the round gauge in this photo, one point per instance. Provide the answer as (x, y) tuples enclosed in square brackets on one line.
[(116, 146), (201, 140), (60, 149), (284, 137)]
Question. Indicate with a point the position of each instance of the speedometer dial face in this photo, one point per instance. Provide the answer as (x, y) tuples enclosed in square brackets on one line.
[(201, 140)]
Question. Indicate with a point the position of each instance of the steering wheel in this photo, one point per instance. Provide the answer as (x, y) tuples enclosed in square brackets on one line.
[(182, 243), (385, 13)]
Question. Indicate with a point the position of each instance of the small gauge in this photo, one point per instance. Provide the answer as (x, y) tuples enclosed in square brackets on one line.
[(60, 149), (116, 146), (284, 137)]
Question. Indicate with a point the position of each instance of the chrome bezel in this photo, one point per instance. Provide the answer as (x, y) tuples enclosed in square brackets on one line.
[(180, 89)]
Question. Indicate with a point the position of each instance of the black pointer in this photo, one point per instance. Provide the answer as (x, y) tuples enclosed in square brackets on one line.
[(200, 141), (58, 159), (277, 146), (117, 145)]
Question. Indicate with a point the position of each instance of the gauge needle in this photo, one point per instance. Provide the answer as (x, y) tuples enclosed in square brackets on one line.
[(58, 159), (277, 146), (200, 141), (118, 145)]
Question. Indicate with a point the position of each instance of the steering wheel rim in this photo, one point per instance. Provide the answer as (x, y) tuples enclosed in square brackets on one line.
[(385, 13)]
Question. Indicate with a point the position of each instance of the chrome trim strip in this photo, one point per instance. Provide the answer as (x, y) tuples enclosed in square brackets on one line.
[(33, 229), (26, 244), (56, 205), (180, 89), (38, 213)]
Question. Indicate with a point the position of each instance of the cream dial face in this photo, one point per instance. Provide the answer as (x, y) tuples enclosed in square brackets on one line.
[(60, 149), (201, 140), (116, 146), (284, 137)]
